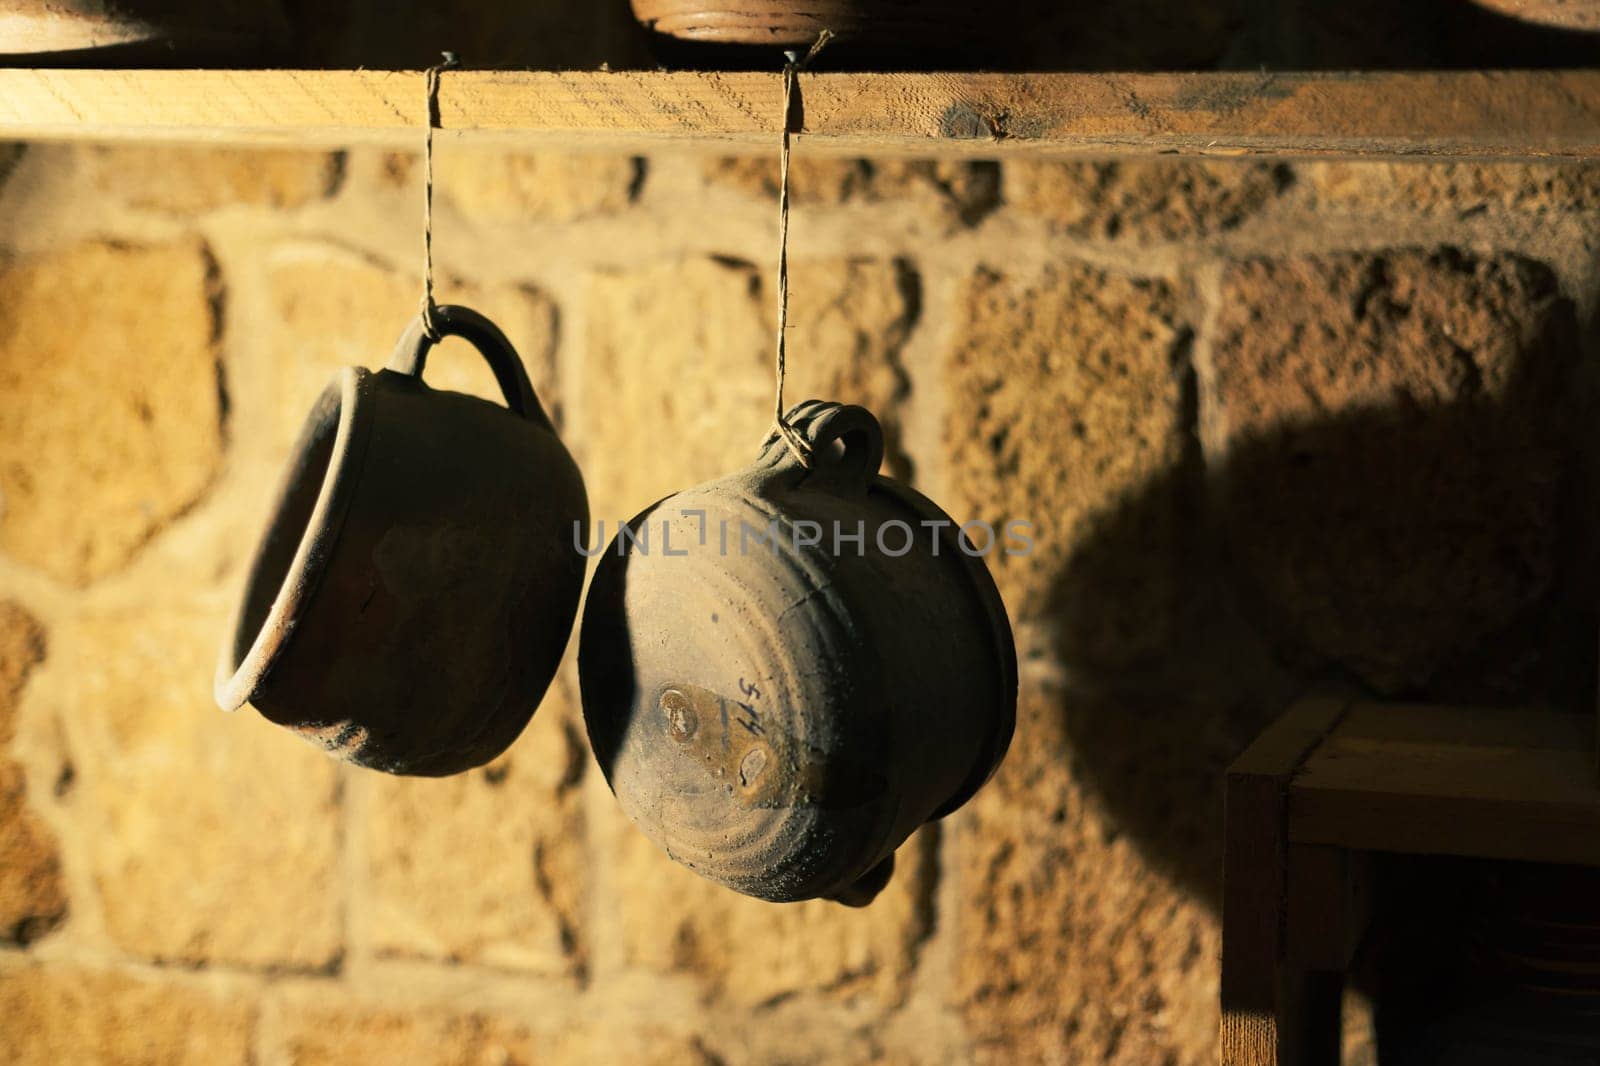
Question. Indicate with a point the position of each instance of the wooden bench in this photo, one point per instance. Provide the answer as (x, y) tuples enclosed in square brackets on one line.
[(1330, 784)]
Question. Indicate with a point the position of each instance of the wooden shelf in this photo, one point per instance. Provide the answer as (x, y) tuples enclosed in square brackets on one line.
[(1468, 114), (1450, 781), (1329, 784)]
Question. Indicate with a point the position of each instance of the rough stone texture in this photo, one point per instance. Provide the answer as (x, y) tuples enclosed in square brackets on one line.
[(1065, 409), (394, 169), (59, 1014), (1454, 188), (1146, 200), (10, 155), (33, 899), (22, 647), (487, 866), (487, 185), (1393, 434), (1069, 914), (181, 180), (335, 309), (753, 952), (312, 1035), (963, 192), (1074, 945), (704, 328), (109, 397), (316, 1034), (209, 837)]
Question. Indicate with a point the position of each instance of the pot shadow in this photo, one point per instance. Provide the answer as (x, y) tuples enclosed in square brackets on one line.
[(1410, 551)]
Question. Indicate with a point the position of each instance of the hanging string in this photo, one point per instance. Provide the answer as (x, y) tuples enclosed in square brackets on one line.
[(447, 61), (791, 77)]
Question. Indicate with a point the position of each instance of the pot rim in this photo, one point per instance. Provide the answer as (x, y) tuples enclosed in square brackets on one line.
[(238, 679)]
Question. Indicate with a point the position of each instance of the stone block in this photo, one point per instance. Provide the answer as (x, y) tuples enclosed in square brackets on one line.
[(183, 180), (679, 366), (208, 837), (335, 1029), (487, 866), (493, 185), (1391, 434), (33, 898), (962, 192), (110, 400), (22, 647), (1454, 188), (1065, 409), (59, 1013), (334, 309), (1079, 939), (752, 952), (1143, 200)]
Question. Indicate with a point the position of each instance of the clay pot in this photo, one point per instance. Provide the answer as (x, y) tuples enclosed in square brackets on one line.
[(1564, 14), (417, 583), (155, 32), (779, 715), (897, 25)]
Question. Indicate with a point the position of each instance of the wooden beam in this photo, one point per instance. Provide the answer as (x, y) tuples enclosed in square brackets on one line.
[(1328, 906), (1451, 114), (1490, 784), (1272, 1013)]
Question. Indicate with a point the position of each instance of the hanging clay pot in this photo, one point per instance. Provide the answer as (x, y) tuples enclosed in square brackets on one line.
[(417, 583), (780, 711)]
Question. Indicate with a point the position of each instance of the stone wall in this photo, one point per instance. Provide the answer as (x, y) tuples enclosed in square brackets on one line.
[(1281, 429)]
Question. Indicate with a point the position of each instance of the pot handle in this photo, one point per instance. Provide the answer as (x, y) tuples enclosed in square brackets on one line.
[(411, 356), (846, 443)]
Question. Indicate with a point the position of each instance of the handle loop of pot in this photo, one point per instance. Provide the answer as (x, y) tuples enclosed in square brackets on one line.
[(452, 320), (846, 442)]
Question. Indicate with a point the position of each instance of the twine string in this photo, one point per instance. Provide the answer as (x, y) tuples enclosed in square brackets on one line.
[(791, 78), (447, 61)]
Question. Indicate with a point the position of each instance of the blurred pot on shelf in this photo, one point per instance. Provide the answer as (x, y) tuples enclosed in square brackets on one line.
[(143, 32), (1563, 14), (927, 30)]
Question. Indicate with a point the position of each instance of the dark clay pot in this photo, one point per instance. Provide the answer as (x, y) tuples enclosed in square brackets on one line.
[(417, 583), (781, 717)]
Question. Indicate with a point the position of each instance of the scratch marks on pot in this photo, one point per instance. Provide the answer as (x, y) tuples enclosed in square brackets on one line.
[(750, 758)]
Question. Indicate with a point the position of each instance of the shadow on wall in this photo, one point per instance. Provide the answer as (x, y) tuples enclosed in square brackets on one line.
[(1105, 35), (1427, 547)]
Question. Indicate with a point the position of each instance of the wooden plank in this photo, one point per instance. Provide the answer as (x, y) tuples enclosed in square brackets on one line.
[(1497, 784), (1436, 724), (1264, 1008), (1442, 114), (1329, 906)]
